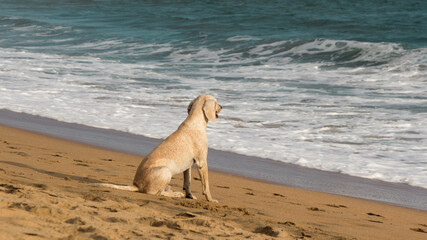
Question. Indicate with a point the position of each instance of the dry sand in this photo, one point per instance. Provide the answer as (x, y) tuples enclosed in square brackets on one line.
[(45, 193)]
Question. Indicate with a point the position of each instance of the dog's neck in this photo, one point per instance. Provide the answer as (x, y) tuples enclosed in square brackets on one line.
[(196, 119)]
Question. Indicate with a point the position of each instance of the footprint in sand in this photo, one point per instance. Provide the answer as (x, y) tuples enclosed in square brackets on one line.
[(375, 221), (86, 229), (40, 186), (267, 230), (22, 154), (278, 195), (32, 234), (287, 223), (187, 214), (168, 223), (10, 189), (116, 220), (111, 209), (82, 164), (94, 198), (98, 237), (315, 209), (374, 214), (336, 206), (76, 220), (38, 210), (23, 206), (419, 229)]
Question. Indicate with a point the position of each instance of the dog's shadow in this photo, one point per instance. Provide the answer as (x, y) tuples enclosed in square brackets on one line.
[(53, 174)]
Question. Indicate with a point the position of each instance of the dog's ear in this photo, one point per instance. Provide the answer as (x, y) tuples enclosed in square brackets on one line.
[(209, 110)]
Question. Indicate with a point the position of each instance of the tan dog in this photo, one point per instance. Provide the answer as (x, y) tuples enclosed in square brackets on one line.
[(177, 153)]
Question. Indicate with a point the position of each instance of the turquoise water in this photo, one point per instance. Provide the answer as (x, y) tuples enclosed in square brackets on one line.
[(53, 26), (334, 85)]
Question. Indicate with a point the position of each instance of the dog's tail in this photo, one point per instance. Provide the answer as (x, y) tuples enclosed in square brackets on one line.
[(120, 187)]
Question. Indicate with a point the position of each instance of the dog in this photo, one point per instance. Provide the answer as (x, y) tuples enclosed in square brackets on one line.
[(177, 153)]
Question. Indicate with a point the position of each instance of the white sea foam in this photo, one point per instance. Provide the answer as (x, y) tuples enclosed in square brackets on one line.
[(241, 38), (368, 121)]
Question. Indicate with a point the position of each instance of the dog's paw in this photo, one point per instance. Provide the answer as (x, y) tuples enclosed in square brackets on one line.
[(173, 194), (190, 196), (213, 201), (178, 194)]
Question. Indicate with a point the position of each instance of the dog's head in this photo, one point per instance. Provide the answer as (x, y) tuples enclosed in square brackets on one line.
[(209, 105)]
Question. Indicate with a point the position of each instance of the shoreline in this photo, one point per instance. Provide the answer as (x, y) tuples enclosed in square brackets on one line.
[(256, 168)]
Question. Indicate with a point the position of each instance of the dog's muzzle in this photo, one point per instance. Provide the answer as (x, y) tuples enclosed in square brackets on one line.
[(216, 113)]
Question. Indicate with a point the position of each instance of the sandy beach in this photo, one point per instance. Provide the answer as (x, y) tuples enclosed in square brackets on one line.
[(319, 129), (45, 193)]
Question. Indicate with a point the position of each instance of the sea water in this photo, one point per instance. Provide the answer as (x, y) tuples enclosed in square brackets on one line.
[(334, 85)]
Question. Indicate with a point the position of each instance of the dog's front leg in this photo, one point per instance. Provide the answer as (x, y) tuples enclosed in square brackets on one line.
[(187, 181), (203, 172)]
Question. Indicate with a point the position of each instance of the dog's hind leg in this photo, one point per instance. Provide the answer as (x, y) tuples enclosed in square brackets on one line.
[(157, 183)]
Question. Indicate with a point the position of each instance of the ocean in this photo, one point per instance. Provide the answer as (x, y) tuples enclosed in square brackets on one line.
[(338, 85)]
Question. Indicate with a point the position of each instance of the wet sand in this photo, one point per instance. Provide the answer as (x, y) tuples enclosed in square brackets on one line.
[(45, 193)]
